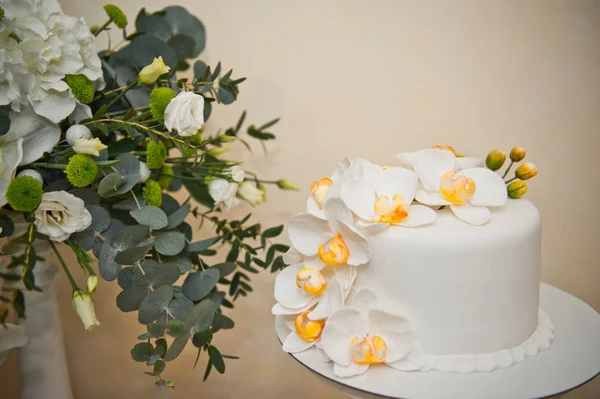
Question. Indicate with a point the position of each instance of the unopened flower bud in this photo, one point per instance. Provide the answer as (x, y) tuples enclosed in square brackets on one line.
[(495, 159), (84, 307), (517, 154), (286, 185), (526, 171), (517, 189), (92, 283), (216, 151), (226, 138), (77, 132), (31, 173), (208, 180), (89, 146), (150, 73), (144, 172)]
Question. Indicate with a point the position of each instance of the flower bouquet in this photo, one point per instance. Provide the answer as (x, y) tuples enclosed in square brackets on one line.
[(91, 144)]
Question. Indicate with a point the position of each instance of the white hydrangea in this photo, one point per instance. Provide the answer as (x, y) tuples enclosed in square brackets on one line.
[(39, 46)]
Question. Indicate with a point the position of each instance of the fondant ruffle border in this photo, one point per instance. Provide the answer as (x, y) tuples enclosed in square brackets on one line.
[(540, 340)]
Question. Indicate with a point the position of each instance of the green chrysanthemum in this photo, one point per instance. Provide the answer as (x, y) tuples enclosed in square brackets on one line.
[(1, 14), (82, 88), (156, 153), (116, 15), (166, 176), (152, 193), (81, 170), (24, 193), (160, 97)]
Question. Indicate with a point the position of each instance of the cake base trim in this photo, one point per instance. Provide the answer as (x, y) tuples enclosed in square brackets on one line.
[(540, 340)]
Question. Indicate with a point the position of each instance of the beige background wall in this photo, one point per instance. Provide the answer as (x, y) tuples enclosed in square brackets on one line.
[(373, 78)]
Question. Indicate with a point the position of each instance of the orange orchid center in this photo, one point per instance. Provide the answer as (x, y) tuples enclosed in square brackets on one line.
[(369, 350), (444, 147), (335, 252), (311, 281), (456, 191), (309, 330), (390, 212), (319, 189)]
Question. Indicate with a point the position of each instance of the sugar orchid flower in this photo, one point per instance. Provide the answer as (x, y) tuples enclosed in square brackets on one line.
[(468, 192), (362, 334), (329, 187), (386, 200), (405, 159)]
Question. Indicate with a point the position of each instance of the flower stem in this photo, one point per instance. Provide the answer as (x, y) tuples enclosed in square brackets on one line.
[(103, 27), (122, 93), (49, 165), (513, 179), (64, 265), (135, 199), (508, 169)]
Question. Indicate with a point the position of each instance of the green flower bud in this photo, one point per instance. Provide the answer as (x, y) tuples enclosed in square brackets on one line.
[(150, 73), (170, 384), (156, 153), (517, 154), (207, 180), (116, 15), (196, 137), (92, 283), (82, 88), (217, 151), (81, 170), (24, 193), (286, 185), (1, 14), (94, 29), (160, 97), (152, 193), (165, 178), (495, 159), (526, 171), (227, 138), (517, 189)]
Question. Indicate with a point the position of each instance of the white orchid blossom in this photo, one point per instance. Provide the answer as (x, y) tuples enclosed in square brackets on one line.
[(405, 159), (329, 187), (468, 192), (362, 334), (386, 199)]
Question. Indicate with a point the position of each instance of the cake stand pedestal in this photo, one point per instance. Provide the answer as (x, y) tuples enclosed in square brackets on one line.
[(572, 360)]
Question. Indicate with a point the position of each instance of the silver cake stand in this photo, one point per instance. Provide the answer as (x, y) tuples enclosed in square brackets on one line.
[(572, 360)]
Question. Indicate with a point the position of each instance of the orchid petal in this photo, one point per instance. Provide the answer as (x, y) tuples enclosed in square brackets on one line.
[(345, 276), (490, 189), (321, 353), (415, 360), (405, 160), (358, 245), (468, 163), (307, 233), (329, 302), (314, 263), (419, 215), (399, 181), (475, 215), (292, 256), (294, 343), (351, 370), (372, 228), (39, 135), (394, 330), (314, 209), (364, 300), (280, 310), (287, 292), (340, 329), (432, 199), (336, 210), (359, 196), (431, 164)]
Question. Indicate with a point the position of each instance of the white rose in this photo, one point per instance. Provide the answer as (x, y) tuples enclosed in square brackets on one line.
[(223, 192), (185, 113), (60, 214), (252, 194)]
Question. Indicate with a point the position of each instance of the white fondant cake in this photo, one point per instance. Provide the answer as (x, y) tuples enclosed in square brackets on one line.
[(448, 283)]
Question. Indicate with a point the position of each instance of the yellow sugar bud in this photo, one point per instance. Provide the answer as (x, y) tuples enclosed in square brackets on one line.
[(517, 154), (526, 171), (495, 159), (150, 73), (517, 189)]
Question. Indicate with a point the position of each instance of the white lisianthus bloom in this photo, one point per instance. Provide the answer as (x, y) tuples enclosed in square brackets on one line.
[(185, 113), (84, 307), (252, 194), (150, 73), (90, 147), (40, 46), (60, 214), (223, 192)]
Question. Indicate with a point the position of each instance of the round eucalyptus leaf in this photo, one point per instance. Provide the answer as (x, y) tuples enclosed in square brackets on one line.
[(177, 217), (144, 48), (155, 304), (176, 347), (169, 204), (141, 352), (202, 338), (198, 284), (154, 25), (110, 184), (182, 261), (222, 322), (150, 216), (132, 236), (7, 225), (163, 274), (88, 195), (179, 308), (181, 21), (100, 218), (225, 96), (85, 239), (131, 255), (183, 45), (129, 168), (130, 299), (176, 328), (226, 268), (108, 267), (199, 69), (170, 243), (201, 316), (217, 298), (128, 276), (156, 330)]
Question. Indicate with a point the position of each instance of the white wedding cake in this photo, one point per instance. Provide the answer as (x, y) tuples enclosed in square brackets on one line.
[(423, 266)]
